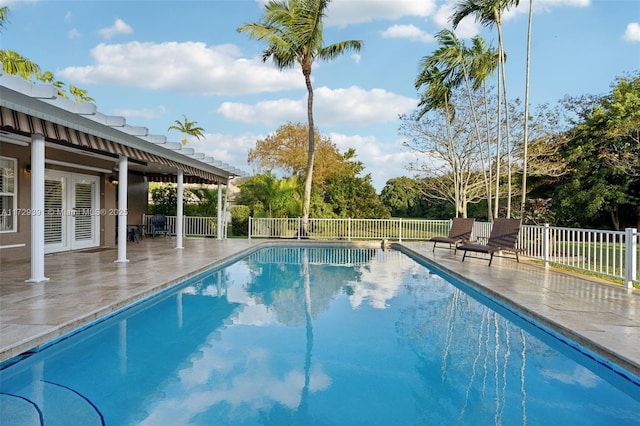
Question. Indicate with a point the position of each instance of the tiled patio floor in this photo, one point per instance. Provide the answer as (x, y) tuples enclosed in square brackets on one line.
[(84, 286)]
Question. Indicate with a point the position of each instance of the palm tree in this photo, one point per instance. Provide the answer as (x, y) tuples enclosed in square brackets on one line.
[(271, 196), (49, 78), (484, 61), (79, 95), (15, 64), (4, 11), (437, 95), (463, 65), (293, 33), (525, 153), (188, 128), (489, 13)]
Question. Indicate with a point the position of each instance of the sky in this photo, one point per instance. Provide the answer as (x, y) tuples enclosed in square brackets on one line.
[(155, 62)]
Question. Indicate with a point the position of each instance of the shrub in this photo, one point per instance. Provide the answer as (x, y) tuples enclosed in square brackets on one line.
[(240, 220)]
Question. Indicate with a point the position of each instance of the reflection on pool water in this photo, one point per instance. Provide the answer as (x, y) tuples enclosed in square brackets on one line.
[(312, 335)]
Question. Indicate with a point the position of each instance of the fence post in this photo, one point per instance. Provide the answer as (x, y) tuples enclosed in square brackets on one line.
[(300, 227), (631, 246), (249, 227), (349, 229), (400, 231), (546, 240)]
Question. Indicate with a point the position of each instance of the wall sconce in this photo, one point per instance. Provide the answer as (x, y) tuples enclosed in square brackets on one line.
[(113, 180)]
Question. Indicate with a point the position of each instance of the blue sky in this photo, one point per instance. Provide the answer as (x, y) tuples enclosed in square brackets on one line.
[(155, 61)]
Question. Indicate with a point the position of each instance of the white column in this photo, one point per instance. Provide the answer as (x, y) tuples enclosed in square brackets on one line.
[(631, 247), (122, 209), (37, 209), (219, 221), (179, 210)]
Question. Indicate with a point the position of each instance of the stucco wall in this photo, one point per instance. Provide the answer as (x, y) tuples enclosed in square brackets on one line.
[(137, 197)]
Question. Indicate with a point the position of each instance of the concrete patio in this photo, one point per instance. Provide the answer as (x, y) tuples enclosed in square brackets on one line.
[(87, 285)]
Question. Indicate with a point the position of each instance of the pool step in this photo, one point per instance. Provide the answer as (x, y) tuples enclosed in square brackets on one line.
[(48, 404)]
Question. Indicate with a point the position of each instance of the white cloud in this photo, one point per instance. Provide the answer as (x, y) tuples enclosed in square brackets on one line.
[(383, 159), (545, 4), (354, 106), (341, 13), (190, 67), (118, 27), (345, 12), (230, 149), (467, 28), (410, 32), (632, 33), (74, 33)]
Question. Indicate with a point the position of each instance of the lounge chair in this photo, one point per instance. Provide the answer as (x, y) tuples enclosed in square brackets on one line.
[(159, 225), (459, 233), (504, 236)]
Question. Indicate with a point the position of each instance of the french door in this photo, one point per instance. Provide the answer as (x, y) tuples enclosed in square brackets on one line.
[(71, 216)]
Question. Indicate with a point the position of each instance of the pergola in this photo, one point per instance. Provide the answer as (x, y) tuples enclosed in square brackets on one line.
[(35, 115)]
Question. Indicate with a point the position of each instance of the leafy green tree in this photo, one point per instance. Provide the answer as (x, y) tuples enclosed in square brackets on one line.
[(205, 202), (286, 150), (347, 194), (293, 33), (189, 128), (602, 152), (240, 220), (355, 197), (164, 200), (403, 198)]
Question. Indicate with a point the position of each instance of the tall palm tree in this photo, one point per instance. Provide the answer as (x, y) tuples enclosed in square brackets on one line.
[(484, 61), (489, 13), (525, 153), (437, 95), (187, 127), (293, 33), (464, 65)]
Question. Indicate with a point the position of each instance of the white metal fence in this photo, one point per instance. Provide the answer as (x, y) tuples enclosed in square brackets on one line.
[(610, 253), (191, 226), (348, 229), (614, 254)]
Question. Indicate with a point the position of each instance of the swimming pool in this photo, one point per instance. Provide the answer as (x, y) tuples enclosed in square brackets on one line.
[(307, 335)]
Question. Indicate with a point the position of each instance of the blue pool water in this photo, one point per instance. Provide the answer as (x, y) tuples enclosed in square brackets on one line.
[(302, 336)]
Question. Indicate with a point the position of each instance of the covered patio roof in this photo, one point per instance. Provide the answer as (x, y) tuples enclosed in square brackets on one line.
[(27, 108)]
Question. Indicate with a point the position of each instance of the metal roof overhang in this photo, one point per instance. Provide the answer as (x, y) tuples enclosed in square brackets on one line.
[(27, 108)]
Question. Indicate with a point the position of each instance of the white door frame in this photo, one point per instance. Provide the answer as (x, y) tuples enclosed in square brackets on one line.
[(68, 213)]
